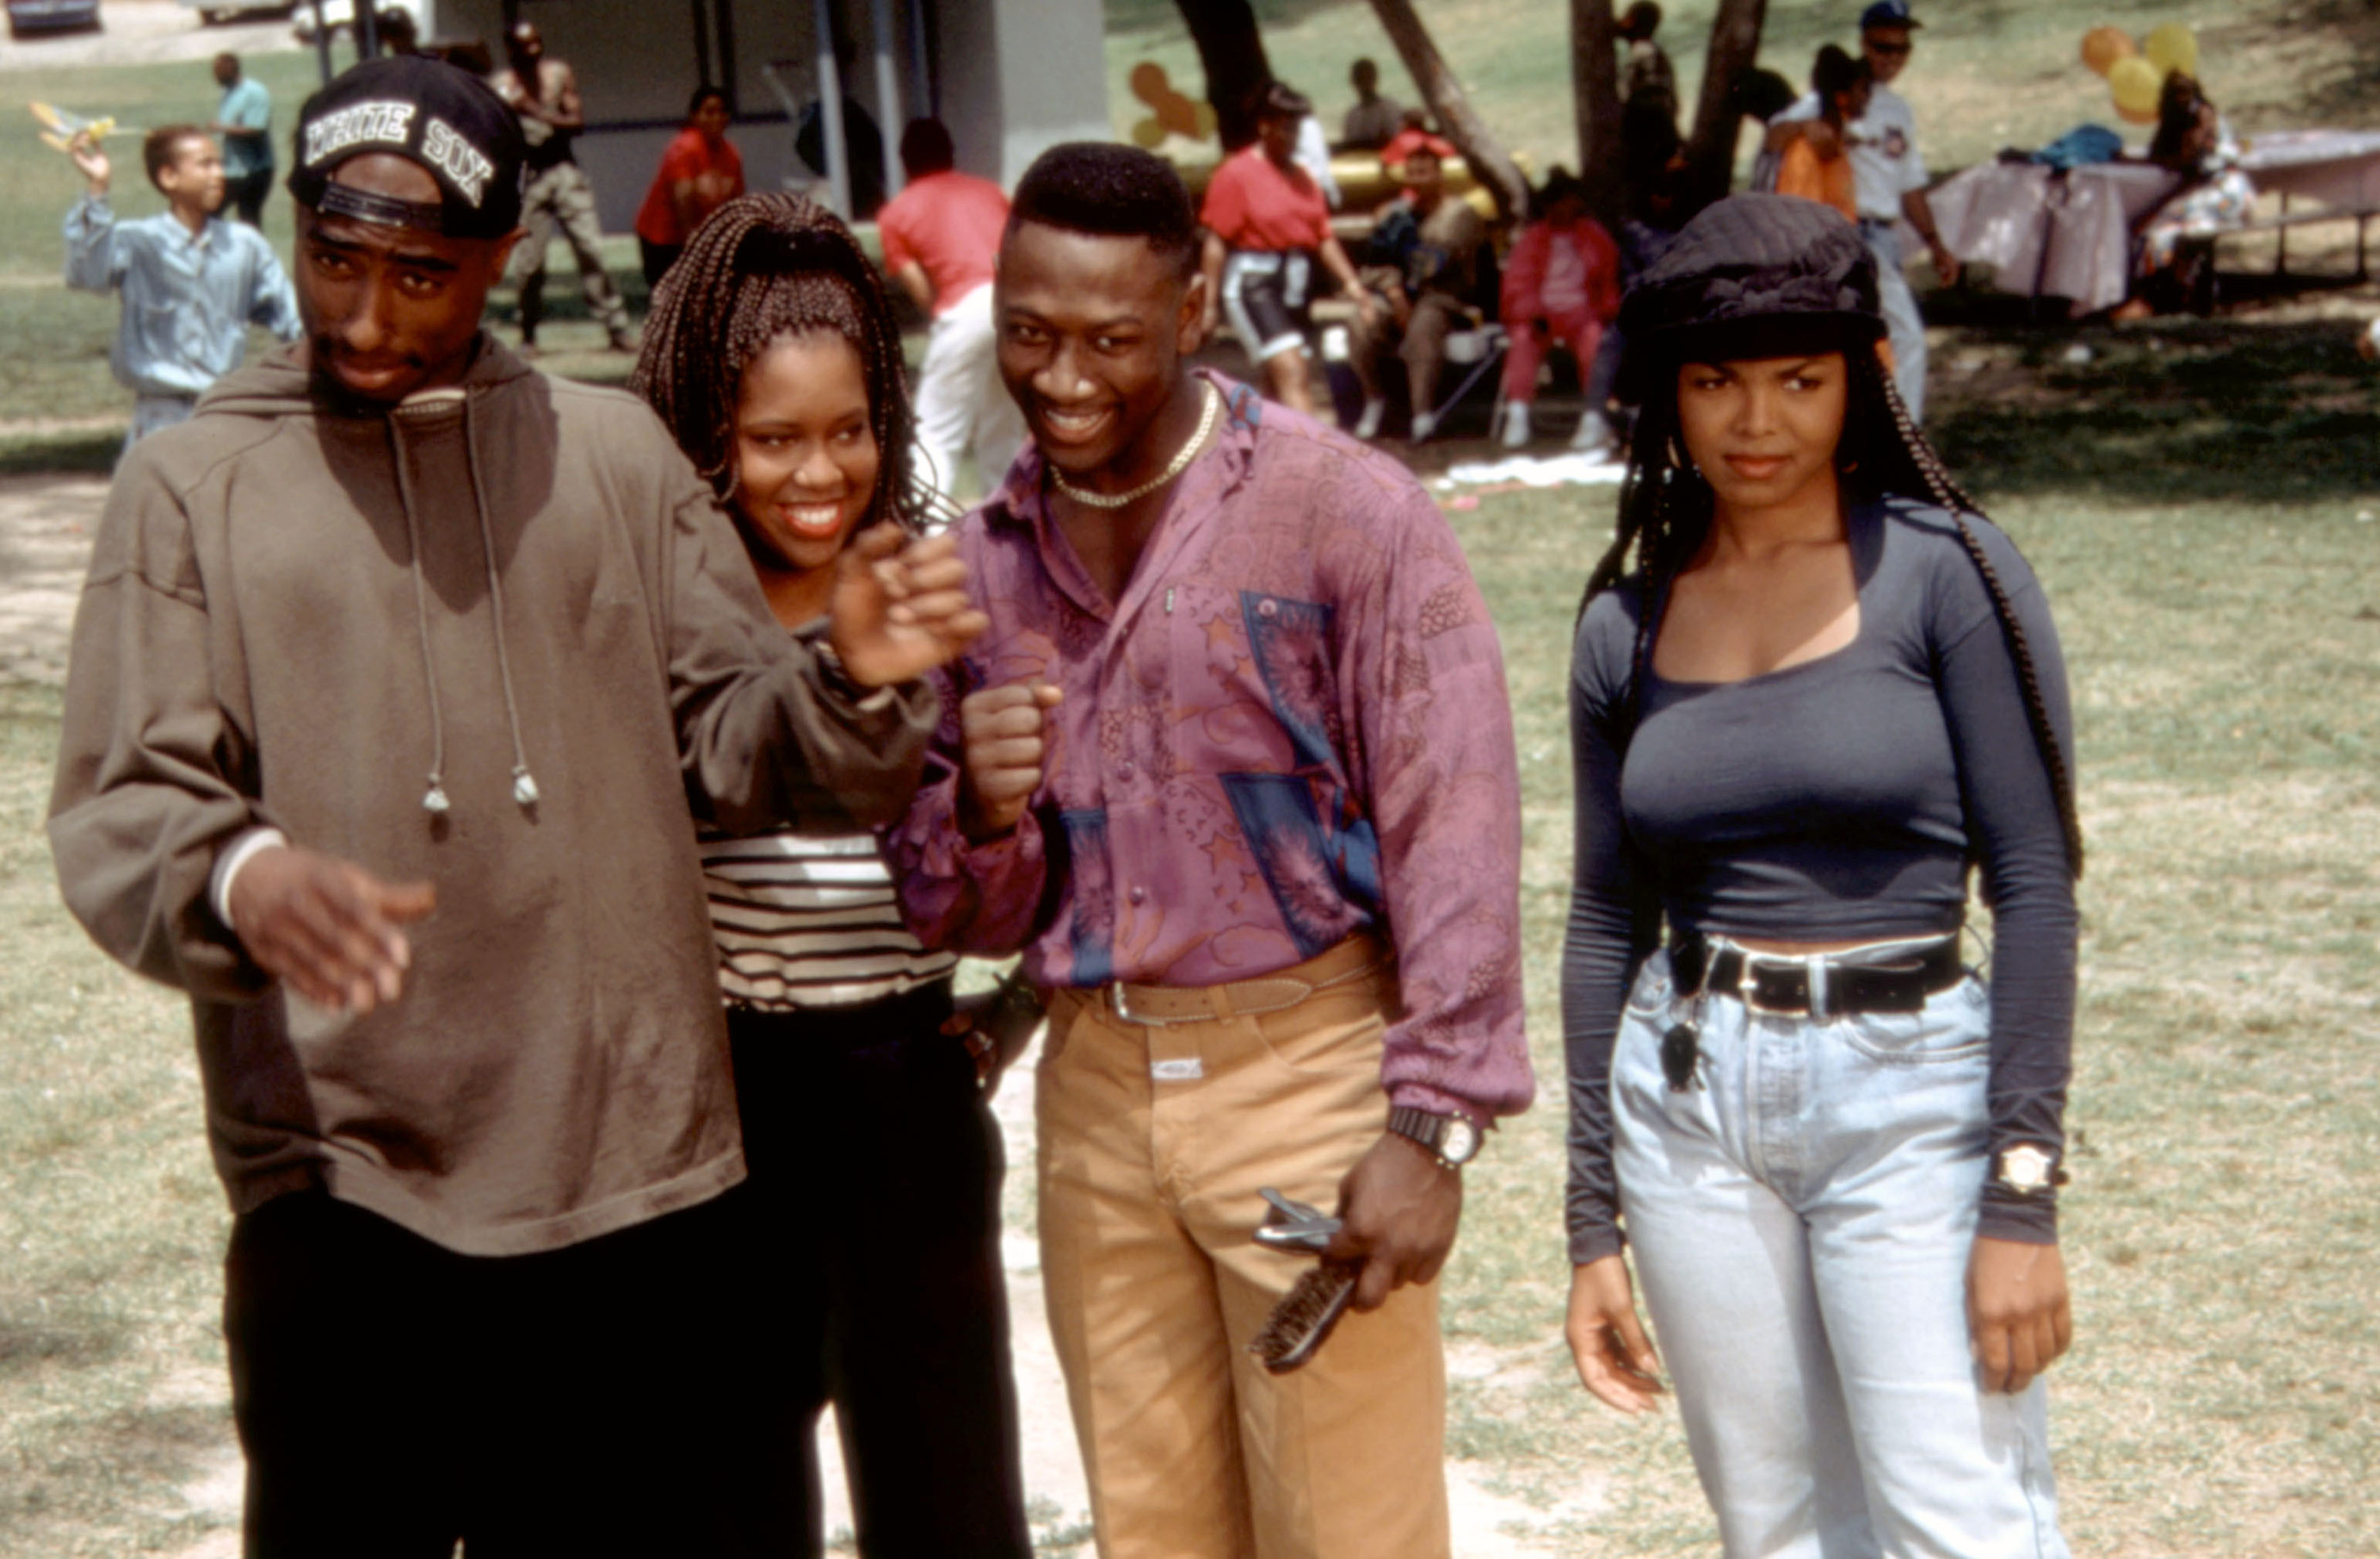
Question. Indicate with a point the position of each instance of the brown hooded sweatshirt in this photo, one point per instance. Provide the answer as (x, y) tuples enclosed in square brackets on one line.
[(296, 615)]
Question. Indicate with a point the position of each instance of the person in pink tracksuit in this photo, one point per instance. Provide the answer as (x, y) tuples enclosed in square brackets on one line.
[(1562, 284)]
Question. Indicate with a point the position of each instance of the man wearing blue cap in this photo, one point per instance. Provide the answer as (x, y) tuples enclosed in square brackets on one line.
[(1890, 175), (398, 671)]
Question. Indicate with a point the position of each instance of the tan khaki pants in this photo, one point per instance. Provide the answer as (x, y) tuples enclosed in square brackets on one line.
[(1153, 1143)]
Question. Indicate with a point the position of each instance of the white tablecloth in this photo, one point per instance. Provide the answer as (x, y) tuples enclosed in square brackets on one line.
[(2069, 235)]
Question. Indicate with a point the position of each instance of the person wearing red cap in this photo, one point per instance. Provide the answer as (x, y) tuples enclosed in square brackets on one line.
[(400, 676)]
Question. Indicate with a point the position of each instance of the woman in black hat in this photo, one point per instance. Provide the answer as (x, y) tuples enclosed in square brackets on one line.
[(1813, 686)]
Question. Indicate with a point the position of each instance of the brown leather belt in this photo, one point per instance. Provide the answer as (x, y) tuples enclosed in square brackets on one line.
[(1159, 1006)]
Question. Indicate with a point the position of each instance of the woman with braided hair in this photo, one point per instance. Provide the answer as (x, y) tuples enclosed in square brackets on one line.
[(1813, 686), (875, 1167)]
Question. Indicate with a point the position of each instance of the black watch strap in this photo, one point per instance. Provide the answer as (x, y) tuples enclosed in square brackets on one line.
[(1451, 1140)]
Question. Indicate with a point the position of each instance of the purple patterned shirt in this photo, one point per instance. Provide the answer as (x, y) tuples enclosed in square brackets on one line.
[(1293, 727)]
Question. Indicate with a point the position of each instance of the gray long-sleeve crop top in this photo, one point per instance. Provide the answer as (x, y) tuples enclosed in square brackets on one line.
[(1837, 799)]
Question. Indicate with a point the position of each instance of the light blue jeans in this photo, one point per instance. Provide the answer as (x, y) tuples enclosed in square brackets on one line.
[(1802, 1221)]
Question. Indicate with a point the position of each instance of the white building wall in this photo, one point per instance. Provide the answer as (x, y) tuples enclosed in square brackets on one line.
[(1016, 77)]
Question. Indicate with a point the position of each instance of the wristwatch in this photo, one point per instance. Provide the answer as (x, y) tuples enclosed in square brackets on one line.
[(2026, 1169), (1451, 1140)]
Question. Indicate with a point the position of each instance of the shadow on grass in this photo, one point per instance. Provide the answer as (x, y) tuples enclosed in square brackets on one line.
[(80, 450), (2187, 409)]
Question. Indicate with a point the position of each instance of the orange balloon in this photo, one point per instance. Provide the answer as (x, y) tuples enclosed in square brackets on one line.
[(1179, 114), (2103, 46), (1148, 84)]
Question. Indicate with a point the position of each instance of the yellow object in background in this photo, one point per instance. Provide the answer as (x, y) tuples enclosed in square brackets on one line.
[(59, 127), (1171, 113), (2134, 83), (2172, 47), (2103, 46)]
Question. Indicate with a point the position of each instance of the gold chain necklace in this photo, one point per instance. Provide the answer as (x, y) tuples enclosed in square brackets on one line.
[(1181, 463)]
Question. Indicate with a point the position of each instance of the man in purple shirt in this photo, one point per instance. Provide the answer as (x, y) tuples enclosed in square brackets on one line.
[(1233, 766)]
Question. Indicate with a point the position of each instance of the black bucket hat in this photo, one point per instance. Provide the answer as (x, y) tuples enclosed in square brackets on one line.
[(1752, 276)]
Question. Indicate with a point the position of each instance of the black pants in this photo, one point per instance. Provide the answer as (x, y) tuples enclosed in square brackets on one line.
[(393, 1396), (244, 194), (874, 1209), (657, 259)]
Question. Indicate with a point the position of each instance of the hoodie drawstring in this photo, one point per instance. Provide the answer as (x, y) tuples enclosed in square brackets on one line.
[(434, 800), (524, 783)]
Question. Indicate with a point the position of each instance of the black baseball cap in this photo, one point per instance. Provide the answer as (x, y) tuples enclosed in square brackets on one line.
[(424, 110), (1887, 13)]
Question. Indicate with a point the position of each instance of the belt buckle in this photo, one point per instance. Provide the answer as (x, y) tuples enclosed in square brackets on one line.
[(1747, 981), (1117, 1005)]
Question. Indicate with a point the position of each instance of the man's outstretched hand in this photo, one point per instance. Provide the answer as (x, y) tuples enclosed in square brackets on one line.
[(1398, 1209), (325, 928), (900, 610)]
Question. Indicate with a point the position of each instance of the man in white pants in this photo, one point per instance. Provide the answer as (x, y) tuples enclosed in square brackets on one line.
[(1890, 174), (941, 236)]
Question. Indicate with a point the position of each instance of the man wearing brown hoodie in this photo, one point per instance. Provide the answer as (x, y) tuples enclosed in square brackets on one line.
[(398, 671)]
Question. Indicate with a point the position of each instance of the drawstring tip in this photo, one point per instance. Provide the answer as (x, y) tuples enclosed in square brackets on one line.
[(433, 800), (524, 788)]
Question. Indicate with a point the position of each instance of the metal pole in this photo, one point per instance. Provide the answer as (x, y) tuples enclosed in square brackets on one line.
[(889, 119), (829, 74), (367, 29), (322, 44), (922, 85)]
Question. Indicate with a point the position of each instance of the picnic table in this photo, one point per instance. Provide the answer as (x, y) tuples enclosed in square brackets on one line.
[(2045, 233)]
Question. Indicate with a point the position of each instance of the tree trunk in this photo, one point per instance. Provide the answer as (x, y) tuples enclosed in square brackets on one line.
[(1718, 114), (1232, 53), (1595, 93), (1444, 94)]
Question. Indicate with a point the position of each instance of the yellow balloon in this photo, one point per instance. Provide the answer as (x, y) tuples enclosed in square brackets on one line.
[(2134, 83), (2103, 46), (1147, 134), (1206, 122), (2173, 47)]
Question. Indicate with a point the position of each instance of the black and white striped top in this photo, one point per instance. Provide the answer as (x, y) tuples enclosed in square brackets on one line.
[(806, 921)]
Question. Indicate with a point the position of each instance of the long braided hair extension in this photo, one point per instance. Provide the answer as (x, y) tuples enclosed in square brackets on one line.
[(761, 267), (1665, 507)]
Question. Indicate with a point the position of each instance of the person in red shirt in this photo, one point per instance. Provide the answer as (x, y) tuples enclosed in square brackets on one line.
[(1267, 224), (701, 171), (942, 236), (1562, 284)]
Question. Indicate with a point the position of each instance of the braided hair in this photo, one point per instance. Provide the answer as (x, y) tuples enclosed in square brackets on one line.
[(1665, 512), (760, 268)]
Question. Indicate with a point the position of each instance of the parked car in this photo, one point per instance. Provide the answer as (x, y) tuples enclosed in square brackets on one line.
[(339, 15), (52, 16), (213, 13)]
